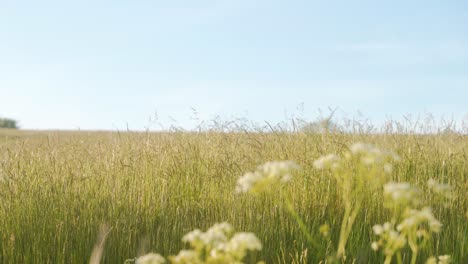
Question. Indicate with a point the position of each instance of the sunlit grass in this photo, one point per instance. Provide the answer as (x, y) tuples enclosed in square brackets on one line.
[(58, 188)]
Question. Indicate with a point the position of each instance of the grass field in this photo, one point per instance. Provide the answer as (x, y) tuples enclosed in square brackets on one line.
[(58, 188)]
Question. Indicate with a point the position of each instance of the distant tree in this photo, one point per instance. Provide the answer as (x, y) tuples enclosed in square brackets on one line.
[(8, 123)]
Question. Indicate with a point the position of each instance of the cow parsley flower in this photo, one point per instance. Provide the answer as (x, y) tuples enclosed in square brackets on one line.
[(186, 257), (242, 242), (327, 161), (370, 154), (266, 175), (150, 258), (375, 246), (445, 259), (442, 189), (390, 240), (415, 219), (212, 238), (378, 229), (194, 238), (219, 244), (401, 194), (388, 168)]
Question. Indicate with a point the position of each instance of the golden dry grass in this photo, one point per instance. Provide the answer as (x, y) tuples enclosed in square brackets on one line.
[(58, 188)]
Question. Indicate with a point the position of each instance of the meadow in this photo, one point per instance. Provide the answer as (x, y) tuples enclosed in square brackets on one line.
[(59, 188)]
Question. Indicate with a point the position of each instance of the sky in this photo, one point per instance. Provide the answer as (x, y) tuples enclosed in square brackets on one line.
[(113, 65)]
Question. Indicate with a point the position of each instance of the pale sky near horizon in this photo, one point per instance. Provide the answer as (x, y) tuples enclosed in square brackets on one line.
[(106, 64)]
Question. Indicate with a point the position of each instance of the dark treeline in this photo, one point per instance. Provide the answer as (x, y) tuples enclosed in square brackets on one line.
[(8, 123)]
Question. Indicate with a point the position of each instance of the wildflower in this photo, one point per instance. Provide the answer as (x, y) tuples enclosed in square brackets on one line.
[(445, 259), (150, 258), (240, 243), (378, 229), (401, 194), (362, 148), (390, 240), (431, 260), (387, 226), (443, 189), (266, 175), (416, 218), (364, 168), (438, 187), (217, 245), (186, 257), (388, 168), (398, 240), (330, 160), (248, 181), (194, 238), (212, 238), (217, 234), (224, 227), (372, 155)]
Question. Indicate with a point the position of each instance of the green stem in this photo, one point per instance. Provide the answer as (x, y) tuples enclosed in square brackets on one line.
[(302, 226), (414, 248), (414, 257), (341, 243), (399, 259), (388, 260), (347, 226)]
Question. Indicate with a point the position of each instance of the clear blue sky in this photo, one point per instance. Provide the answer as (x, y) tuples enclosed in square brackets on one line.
[(103, 64)]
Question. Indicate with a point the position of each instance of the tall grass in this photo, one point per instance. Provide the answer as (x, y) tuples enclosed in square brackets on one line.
[(58, 188)]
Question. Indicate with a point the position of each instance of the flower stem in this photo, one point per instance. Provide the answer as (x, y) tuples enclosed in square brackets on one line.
[(388, 259), (414, 257), (302, 226), (342, 242), (347, 226), (399, 259)]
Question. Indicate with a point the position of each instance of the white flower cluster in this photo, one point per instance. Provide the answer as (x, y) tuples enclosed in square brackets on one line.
[(445, 259), (242, 242), (150, 258), (375, 159), (442, 189), (389, 239), (218, 234), (401, 194), (268, 174), (417, 220), (370, 154), (328, 161), (412, 230), (363, 165), (416, 226), (219, 244)]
